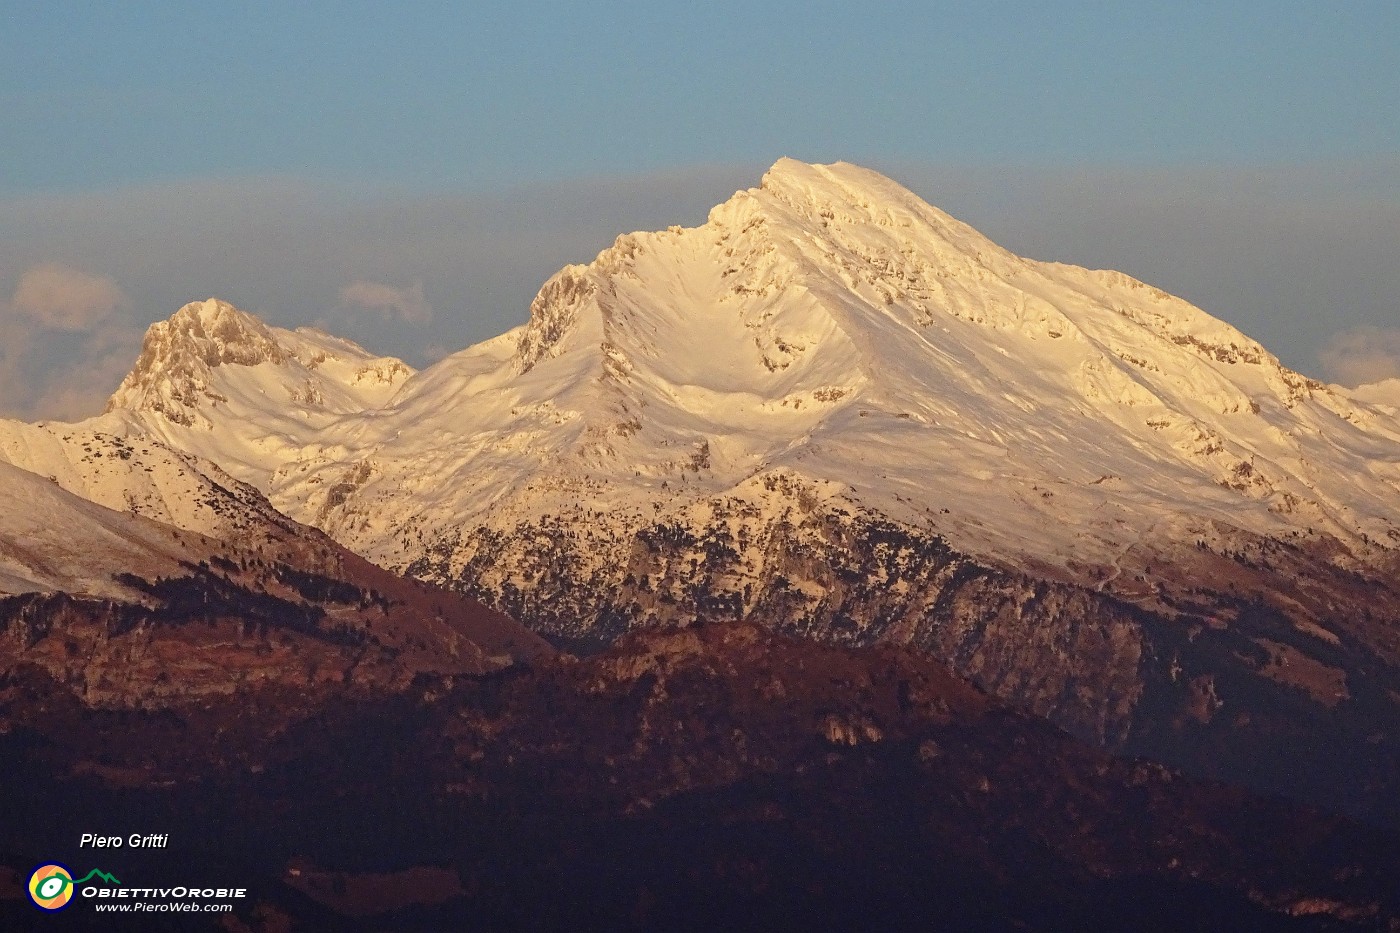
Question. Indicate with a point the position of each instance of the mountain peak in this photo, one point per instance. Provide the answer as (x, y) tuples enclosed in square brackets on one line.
[(819, 175), (171, 375), (747, 241), (222, 334), (822, 263)]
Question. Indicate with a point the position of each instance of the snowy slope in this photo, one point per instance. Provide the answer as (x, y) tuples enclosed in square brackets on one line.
[(1385, 393), (54, 541), (828, 328), (141, 475)]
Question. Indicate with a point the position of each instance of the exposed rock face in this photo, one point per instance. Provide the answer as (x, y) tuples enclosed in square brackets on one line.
[(1052, 647), (116, 655)]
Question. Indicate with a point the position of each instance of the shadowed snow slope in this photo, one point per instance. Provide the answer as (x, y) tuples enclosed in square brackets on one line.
[(54, 541)]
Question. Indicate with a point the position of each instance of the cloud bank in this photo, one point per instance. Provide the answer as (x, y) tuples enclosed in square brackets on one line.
[(389, 302), (62, 347), (65, 298), (1362, 355)]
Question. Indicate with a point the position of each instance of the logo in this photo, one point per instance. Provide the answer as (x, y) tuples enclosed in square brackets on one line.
[(51, 886)]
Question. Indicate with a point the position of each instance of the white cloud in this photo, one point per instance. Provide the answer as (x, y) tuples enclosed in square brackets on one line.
[(389, 301), (85, 389), (65, 298), (1362, 355), (65, 376), (15, 384)]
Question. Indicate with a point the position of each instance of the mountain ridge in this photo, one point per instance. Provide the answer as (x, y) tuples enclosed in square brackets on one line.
[(833, 411), (958, 337)]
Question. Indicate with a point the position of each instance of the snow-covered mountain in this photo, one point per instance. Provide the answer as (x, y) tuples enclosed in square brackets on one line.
[(837, 411), (138, 474), (112, 542), (831, 411), (826, 331), (218, 382)]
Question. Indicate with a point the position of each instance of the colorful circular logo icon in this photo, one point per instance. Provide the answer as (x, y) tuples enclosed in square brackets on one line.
[(51, 886)]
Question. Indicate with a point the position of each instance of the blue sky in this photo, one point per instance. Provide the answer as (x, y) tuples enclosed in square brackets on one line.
[(484, 95), (207, 131)]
